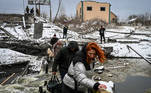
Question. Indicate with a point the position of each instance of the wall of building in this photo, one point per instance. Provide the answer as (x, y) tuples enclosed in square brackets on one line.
[(95, 12), (113, 17)]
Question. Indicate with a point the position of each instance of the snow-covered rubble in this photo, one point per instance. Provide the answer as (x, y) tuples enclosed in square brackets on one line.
[(139, 40), (141, 43), (8, 56), (18, 32)]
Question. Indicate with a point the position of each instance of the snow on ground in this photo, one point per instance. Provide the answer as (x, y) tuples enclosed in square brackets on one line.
[(9, 56), (51, 29), (18, 32), (140, 43), (119, 49)]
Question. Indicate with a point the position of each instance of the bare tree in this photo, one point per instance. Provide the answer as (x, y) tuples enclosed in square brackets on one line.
[(60, 1), (143, 19), (61, 11)]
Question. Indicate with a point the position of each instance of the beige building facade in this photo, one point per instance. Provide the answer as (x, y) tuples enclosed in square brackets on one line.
[(87, 10)]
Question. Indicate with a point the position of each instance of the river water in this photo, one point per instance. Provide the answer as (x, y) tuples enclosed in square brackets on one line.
[(134, 84)]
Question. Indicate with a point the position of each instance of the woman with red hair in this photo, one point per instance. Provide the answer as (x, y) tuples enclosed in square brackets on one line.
[(78, 80)]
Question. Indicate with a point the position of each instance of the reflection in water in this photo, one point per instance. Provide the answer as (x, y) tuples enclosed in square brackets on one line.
[(135, 84)]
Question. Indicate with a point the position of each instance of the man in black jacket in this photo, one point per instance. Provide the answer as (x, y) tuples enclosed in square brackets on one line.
[(102, 36), (64, 58), (54, 40), (65, 29)]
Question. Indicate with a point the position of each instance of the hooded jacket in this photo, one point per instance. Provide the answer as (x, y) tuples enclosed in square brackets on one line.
[(64, 56)]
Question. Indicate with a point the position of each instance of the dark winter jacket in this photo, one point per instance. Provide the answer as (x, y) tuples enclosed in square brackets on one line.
[(65, 30), (80, 56), (53, 40), (101, 30), (64, 56)]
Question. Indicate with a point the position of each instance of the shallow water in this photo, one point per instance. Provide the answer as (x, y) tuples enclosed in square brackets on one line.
[(133, 84)]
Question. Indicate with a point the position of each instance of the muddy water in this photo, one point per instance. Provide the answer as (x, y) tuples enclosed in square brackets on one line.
[(7, 70), (134, 84)]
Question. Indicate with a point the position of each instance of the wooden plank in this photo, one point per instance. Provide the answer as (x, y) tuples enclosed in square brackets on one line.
[(7, 79)]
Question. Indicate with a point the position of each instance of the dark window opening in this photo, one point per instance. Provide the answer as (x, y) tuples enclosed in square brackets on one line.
[(102, 8), (89, 8)]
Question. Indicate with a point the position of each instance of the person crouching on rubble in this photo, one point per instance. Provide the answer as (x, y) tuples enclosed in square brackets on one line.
[(77, 79)]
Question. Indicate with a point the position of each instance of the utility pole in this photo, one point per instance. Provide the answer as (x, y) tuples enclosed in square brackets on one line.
[(82, 11), (39, 8), (50, 11), (23, 6), (35, 8)]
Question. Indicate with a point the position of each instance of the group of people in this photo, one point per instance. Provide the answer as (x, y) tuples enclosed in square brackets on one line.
[(73, 65), (31, 11)]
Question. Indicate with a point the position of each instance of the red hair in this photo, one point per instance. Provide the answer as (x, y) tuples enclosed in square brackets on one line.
[(99, 51)]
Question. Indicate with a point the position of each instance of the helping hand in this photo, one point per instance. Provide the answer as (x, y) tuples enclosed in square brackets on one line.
[(53, 73), (102, 87)]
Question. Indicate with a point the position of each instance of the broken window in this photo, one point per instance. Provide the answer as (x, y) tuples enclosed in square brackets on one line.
[(89, 8), (102, 8)]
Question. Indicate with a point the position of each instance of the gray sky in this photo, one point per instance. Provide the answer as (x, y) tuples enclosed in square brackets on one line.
[(122, 8)]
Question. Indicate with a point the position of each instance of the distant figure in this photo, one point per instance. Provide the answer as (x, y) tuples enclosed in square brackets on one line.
[(37, 12), (65, 29), (53, 40), (32, 11), (50, 52), (27, 9), (132, 30), (56, 44), (102, 36)]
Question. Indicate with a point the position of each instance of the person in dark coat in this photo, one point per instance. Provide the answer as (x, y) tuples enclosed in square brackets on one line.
[(53, 40), (78, 79), (65, 29), (27, 9), (51, 51), (63, 58), (102, 36), (32, 11), (37, 12), (57, 46)]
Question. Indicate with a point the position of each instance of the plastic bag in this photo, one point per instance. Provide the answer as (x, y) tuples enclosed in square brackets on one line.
[(50, 53)]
